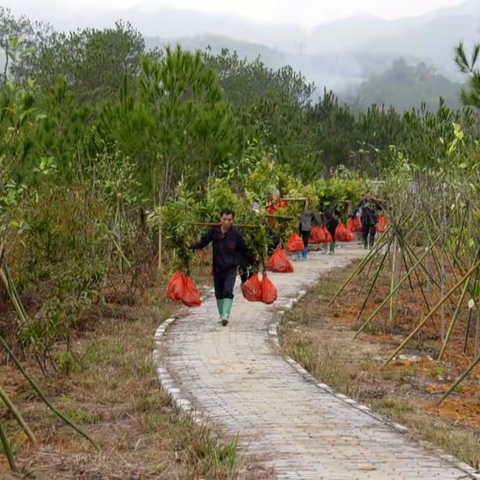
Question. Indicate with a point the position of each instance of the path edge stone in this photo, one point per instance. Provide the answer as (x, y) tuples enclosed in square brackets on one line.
[(273, 333), (180, 402)]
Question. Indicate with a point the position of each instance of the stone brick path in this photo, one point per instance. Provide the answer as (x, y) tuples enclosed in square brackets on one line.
[(237, 378)]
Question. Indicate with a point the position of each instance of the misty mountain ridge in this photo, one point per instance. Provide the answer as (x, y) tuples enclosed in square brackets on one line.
[(337, 55), (429, 38)]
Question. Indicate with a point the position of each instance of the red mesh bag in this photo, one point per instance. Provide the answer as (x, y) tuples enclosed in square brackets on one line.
[(269, 292), (354, 224), (326, 234), (191, 297), (295, 244), (317, 236), (382, 224), (176, 287), (279, 262), (252, 289), (342, 234)]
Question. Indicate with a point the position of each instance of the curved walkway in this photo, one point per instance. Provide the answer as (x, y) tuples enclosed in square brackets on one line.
[(236, 377)]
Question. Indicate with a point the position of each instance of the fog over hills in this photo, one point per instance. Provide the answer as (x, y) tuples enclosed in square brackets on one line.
[(336, 54)]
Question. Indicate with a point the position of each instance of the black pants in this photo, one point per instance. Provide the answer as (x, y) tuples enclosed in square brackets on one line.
[(224, 283), (306, 238), (332, 229), (368, 231)]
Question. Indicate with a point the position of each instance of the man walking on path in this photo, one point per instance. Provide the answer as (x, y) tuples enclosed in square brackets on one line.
[(331, 216), (369, 217), (228, 248)]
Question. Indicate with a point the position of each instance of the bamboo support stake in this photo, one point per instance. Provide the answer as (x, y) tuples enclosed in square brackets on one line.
[(392, 282), (8, 403), (462, 227), (460, 379), (385, 301), (456, 316), (477, 333), (443, 273), (402, 242), (42, 395), (467, 334), (454, 320), (427, 275), (418, 281), (460, 267), (206, 224), (7, 448), (160, 244), (281, 217), (371, 255), (377, 274), (432, 312)]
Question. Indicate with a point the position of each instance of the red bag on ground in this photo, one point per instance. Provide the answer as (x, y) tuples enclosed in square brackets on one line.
[(269, 292), (354, 224), (279, 262), (382, 224), (317, 236), (295, 244), (343, 235), (252, 289), (191, 297), (326, 234), (176, 287)]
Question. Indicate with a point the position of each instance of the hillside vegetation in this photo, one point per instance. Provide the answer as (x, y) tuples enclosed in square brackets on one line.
[(108, 147)]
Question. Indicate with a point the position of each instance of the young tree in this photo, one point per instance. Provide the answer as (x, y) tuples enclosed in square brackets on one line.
[(13, 32), (471, 96)]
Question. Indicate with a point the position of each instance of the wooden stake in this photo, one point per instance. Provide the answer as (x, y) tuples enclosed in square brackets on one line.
[(206, 224), (432, 312), (454, 319), (404, 279), (160, 244)]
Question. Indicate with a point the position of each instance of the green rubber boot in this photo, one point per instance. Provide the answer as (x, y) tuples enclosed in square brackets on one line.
[(332, 248), (220, 303), (227, 308)]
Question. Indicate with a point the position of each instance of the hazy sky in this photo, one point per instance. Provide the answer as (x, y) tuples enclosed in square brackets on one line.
[(303, 12)]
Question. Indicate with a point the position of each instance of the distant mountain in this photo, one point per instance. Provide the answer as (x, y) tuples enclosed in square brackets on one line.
[(336, 54), (273, 58), (353, 32), (430, 38), (172, 23), (331, 70), (470, 7), (405, 87), (433, 41)]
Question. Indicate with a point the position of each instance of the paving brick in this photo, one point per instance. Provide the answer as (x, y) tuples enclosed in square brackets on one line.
[(237, 377)]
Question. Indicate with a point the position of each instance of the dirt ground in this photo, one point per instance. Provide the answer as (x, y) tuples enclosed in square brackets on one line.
[(408, 389), (113, 395)]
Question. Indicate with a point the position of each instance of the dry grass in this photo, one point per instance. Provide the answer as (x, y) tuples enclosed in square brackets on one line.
[(321, 339), (114, 395)]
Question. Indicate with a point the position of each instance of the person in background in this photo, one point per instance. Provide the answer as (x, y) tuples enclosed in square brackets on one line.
[(332, 217), (275, 203), (369, 207), (307, 220), (228, 248)]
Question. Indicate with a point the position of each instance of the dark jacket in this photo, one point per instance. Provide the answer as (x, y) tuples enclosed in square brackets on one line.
[(370, 209), (332, 217), (228, 248)]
